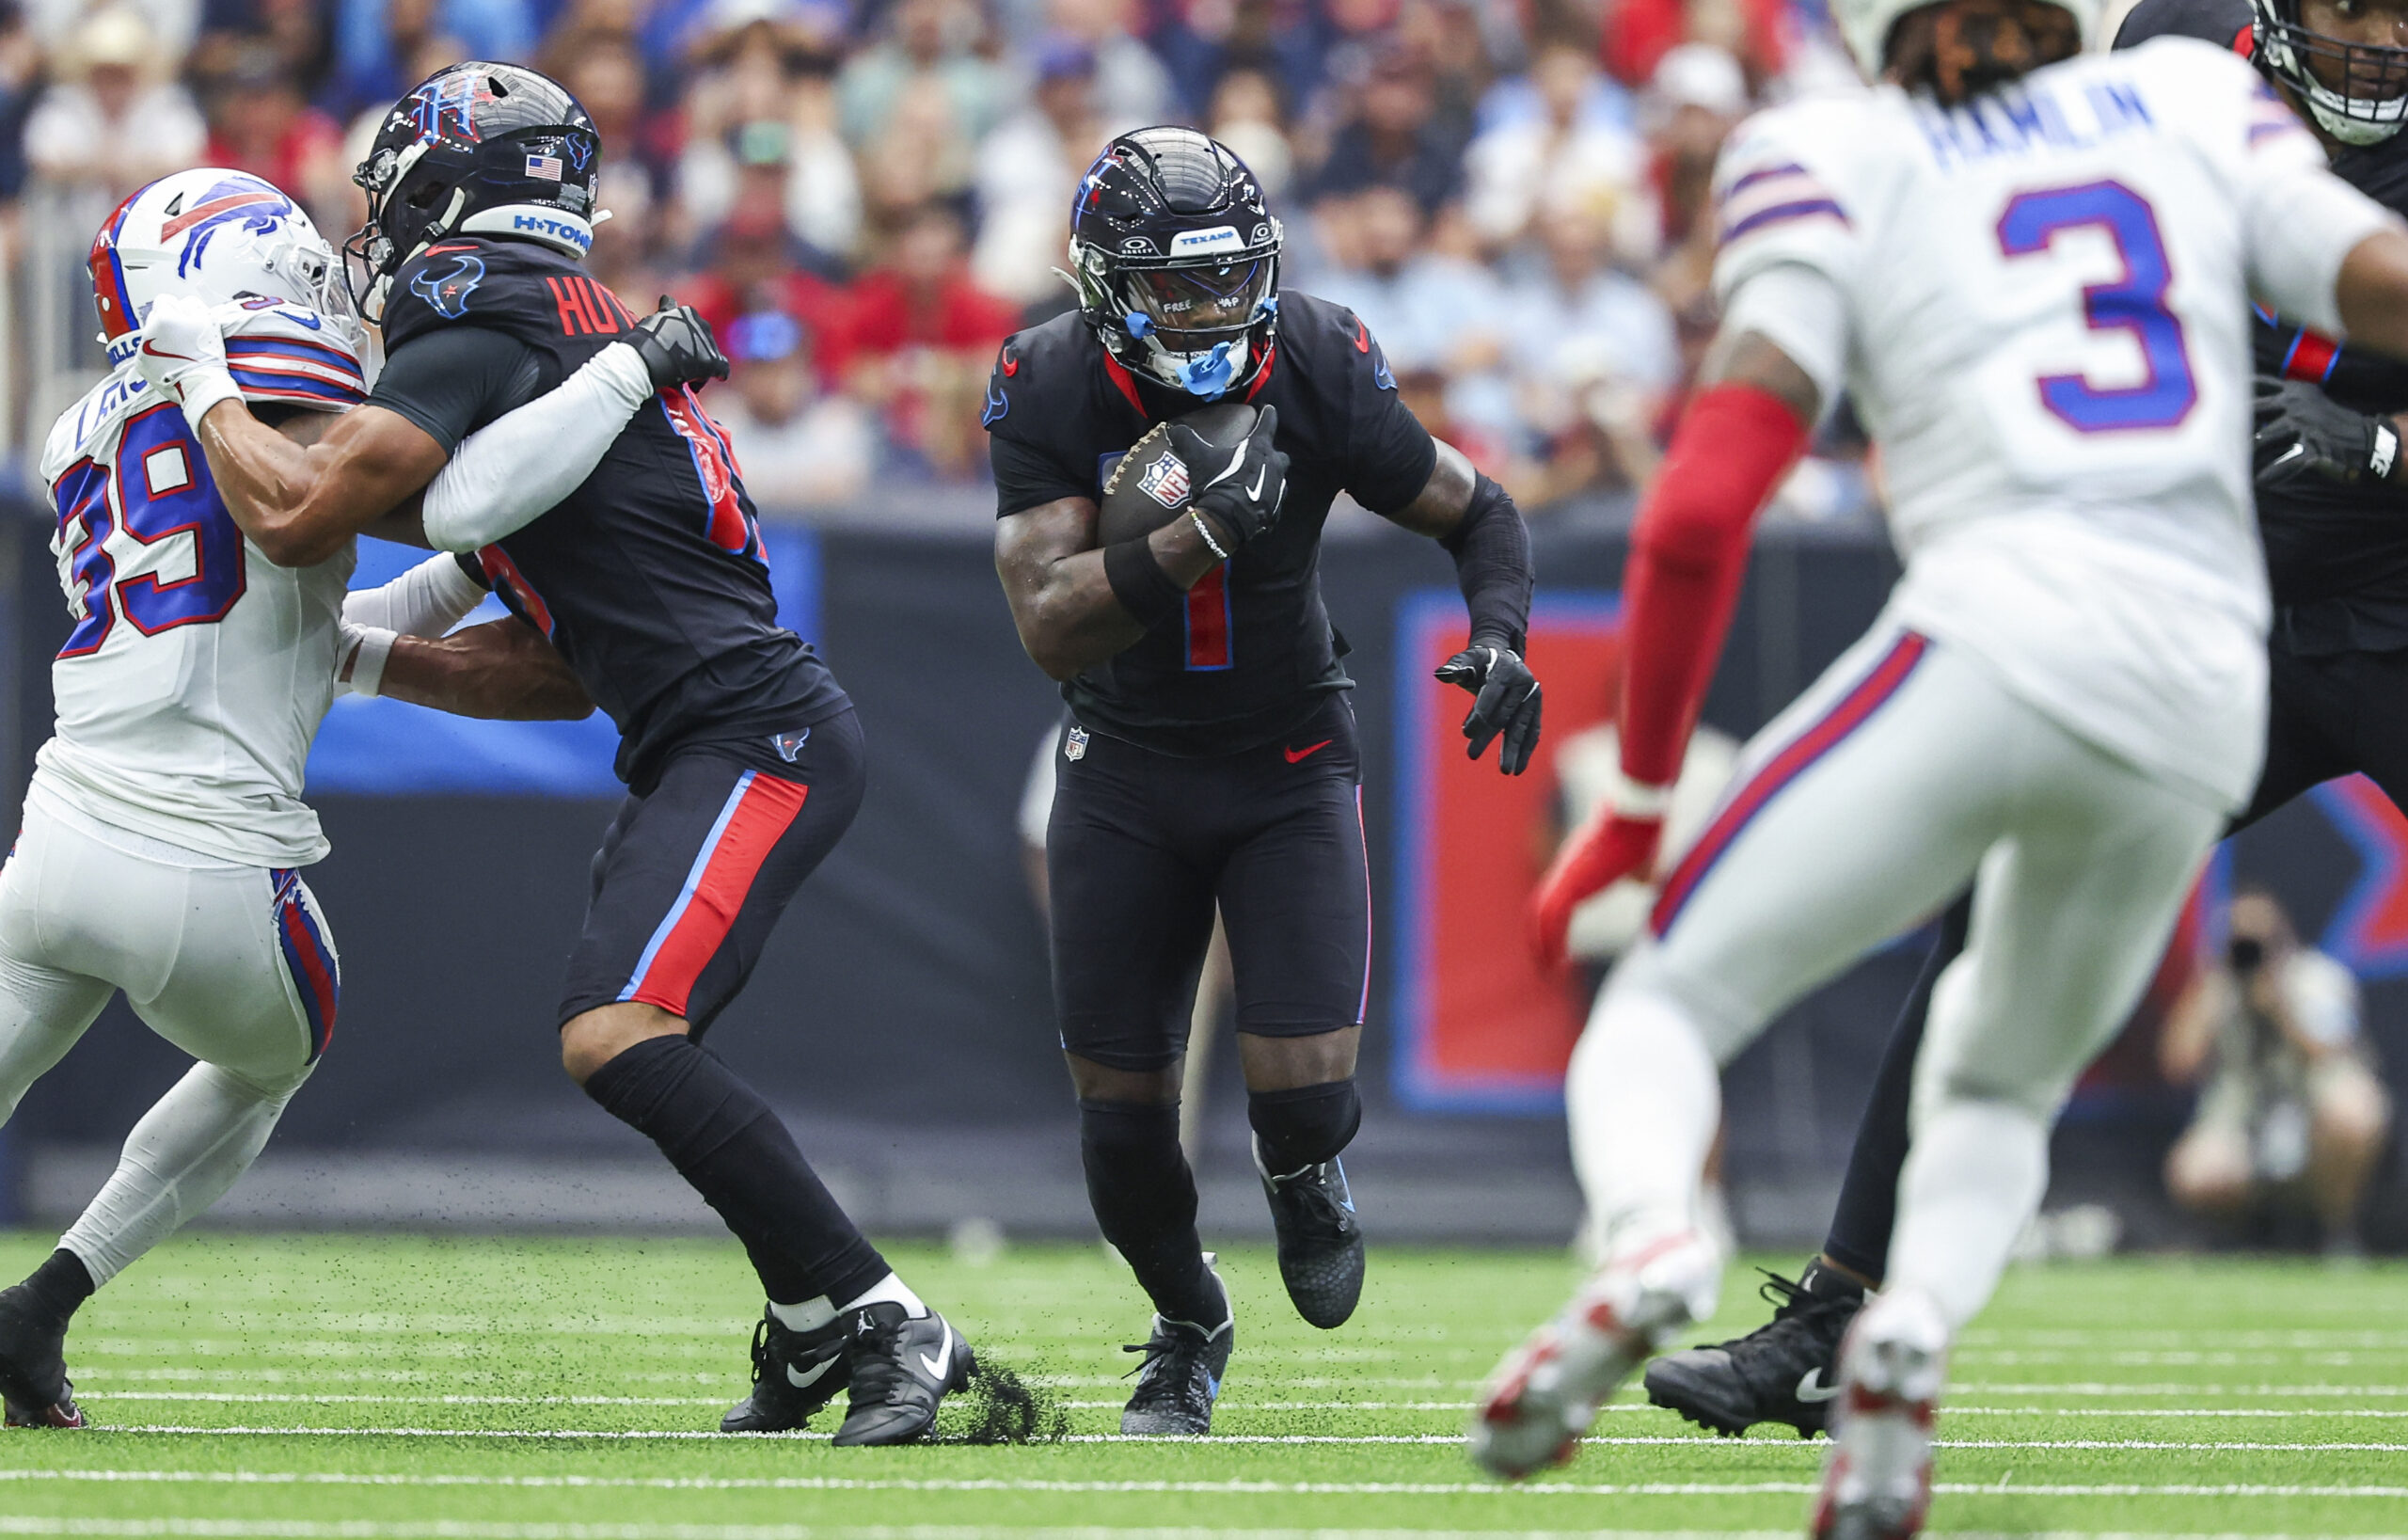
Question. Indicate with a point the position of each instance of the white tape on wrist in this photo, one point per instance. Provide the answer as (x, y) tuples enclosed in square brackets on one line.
[(373, 645), (202, 389), (2386, 452), (1631, 799)]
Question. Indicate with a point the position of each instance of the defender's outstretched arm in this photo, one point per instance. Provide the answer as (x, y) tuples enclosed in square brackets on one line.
[(1689, 553), (502, 670)]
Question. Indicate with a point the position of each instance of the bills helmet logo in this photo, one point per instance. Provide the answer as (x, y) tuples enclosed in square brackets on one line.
[(448, 293), (1165, 480), (247, 201)]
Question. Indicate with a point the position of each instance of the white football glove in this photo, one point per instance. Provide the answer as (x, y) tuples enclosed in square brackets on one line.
[(184, 356)]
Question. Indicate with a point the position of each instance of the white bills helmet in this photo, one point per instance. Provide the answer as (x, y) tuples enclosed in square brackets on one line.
[(1865, 25), (217, 236)]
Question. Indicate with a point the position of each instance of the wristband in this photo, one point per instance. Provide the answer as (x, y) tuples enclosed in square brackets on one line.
[(202, 391), (1195, 517), (1139, 582), (1636, 799), (370, 651)]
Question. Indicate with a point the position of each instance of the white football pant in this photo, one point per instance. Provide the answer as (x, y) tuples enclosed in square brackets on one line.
[(232, 964), (1857, 813)]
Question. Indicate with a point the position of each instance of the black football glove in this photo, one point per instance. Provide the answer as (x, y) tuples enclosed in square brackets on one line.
[(1241, 489), (2304, 434), (676, 346), (1507, 699)]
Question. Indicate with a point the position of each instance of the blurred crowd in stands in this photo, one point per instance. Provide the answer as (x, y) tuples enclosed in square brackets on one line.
[(866, 195)]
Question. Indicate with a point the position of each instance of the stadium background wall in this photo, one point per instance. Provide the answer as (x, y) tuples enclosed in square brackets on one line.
[(458, 883)]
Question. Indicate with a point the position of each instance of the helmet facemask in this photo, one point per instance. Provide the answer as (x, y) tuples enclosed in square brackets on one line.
[(1195, 327), (2372, 102)]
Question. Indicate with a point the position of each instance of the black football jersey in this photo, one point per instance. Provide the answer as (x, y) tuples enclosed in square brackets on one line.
[(1252, 652), (2336, 556), (650, 579)]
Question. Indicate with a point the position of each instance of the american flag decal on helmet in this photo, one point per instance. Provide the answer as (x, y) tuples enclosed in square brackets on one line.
[(547, 168)]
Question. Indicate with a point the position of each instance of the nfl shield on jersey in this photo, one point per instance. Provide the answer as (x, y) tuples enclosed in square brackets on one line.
[(2047, 297), (197, 671)]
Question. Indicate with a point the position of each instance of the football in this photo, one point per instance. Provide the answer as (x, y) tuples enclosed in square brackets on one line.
[(1149, 487)]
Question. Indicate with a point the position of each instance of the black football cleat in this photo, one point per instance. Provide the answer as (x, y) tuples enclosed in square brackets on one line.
[(33, 1365), (795, 1373), (902, 1366), (1785, 1371), (1181, 1377), (1320, 1242)]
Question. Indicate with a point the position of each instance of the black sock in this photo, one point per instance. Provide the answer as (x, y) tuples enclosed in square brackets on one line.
[(723, 1138), (61, 1285), (1868, 1205), (1144, 1198), (1305, 1125)]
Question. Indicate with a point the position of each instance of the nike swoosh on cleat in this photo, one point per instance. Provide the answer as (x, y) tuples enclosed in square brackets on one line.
[(819, 1372), (1297, 756), (938, 1366), (1811, 1387)]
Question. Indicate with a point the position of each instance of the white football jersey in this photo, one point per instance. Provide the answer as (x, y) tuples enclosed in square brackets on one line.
[(2047, 300), (199, 670)]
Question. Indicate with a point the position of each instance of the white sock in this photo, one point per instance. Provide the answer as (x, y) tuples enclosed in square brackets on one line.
[(1643, 1097), (1972, 1180), (181, 1158), (889, 1290), (810, 1315)]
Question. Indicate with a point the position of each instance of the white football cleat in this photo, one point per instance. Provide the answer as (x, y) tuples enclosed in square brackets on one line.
[(1546, 1392), (1876, 1482)]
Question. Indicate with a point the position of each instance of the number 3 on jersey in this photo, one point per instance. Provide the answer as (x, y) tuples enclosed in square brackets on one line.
[(2134, 303), (158, 489)]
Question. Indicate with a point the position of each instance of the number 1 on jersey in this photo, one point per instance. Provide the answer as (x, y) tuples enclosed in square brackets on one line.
[(2134, 303)]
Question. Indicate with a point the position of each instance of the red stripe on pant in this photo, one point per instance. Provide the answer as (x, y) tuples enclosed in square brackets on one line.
[(1783, 767), (767, 810)]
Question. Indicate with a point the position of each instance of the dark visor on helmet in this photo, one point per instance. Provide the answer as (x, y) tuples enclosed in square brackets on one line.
[(1190, 308)]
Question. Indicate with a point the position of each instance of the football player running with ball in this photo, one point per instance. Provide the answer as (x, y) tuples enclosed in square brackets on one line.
[(163, 826), (2332, 491), (2068, 689), (1210, 757), (631, 544)]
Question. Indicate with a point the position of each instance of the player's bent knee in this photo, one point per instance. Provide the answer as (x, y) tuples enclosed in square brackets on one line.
[(1304, 1125), (593, 1039), (1288, 1060), (1155, 1086)]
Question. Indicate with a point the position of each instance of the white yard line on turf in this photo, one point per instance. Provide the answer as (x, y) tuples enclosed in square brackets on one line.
[(1700, 1442), (1221, 1488), (458, 1529)]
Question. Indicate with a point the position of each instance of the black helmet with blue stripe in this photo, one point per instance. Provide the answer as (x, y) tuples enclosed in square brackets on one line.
[(1177, 260)]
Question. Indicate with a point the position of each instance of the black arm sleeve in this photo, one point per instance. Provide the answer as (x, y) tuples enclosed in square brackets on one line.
[(455, 380), (1492, 552)]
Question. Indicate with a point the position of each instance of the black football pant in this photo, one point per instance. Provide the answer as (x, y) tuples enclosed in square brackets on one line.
[(1141, 848), (2328, 715)]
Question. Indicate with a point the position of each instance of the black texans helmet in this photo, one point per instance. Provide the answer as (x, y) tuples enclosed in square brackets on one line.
[(478, 149), (2372, 102), (1177, 260)]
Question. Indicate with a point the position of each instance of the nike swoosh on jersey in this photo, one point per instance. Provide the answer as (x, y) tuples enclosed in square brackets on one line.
[(938, 1366), (1811, 1387), (157, 352), (299, 319), (1297, 756)]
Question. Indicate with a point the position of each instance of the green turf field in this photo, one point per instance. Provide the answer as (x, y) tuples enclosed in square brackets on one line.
[(354, 1388)]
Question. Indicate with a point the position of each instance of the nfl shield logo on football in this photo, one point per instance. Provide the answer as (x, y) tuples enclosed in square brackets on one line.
[(1165, 480), (1075, 746)]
